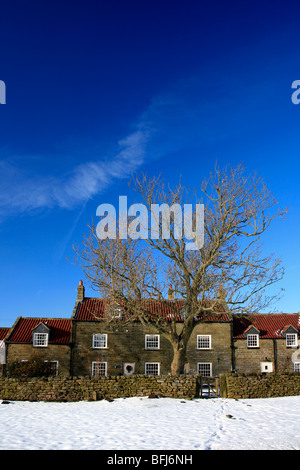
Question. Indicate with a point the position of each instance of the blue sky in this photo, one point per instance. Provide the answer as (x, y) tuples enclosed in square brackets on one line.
[(98, 89)]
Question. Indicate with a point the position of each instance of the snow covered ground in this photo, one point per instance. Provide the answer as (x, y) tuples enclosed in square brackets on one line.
[(155, 424)]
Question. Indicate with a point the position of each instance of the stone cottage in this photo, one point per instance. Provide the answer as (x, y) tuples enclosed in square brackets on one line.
[(265, 343), (82, 345), (131, 348), (44, 338)]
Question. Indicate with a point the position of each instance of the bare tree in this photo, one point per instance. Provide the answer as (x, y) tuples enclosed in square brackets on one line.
[(229, 273)]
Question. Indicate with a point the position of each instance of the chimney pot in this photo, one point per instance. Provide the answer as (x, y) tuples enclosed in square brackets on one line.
[(170, 293), (80, 292)]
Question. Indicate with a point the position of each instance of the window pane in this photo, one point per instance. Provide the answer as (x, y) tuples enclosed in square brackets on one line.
[(100, 341), (152, 342), (291, 339), (40, 339), (252, 341), (205, 369), (99, 368), (203, 341), (152, 368)]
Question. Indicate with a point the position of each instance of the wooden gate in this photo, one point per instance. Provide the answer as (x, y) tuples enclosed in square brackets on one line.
[(209, 387)]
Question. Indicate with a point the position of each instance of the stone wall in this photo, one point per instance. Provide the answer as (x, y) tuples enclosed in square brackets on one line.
[(184, 386), (259, 385), (84, 388)]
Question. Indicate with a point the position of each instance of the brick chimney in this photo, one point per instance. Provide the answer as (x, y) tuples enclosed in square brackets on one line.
[(80, 292), (170, 293)]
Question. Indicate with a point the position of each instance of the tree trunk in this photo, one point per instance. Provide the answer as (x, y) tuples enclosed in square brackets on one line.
[(179, 360)]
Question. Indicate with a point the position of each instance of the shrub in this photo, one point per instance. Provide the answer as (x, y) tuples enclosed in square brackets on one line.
[(30, 368)]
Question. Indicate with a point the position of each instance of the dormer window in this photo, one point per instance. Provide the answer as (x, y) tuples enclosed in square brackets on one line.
[(291, 340), (252, 335), (40, 335), (40, 339), (114, 312), (291, 336), (182, 314), (117, 313), (252, 341)]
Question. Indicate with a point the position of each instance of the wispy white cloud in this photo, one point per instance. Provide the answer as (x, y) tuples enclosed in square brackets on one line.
[(170, 123), (22, 192)]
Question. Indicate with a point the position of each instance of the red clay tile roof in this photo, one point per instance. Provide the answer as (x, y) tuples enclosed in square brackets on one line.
[(93, 309), (60, 330), (3, 333), (269, 325)]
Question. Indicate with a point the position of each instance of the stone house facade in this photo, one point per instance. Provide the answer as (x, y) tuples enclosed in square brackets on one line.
[(266, 343), (44, 338), (82, 345), (133, 348)]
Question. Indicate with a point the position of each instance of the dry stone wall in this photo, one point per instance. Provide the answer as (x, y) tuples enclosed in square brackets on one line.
[(63, 389), (259, 385), (84, 388)]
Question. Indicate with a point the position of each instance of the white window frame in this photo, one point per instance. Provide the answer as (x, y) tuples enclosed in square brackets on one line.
[(100, 341), (152, 341), (205, 340), (115, 312), (296, 366), (55, 368), (207, 366), (97, 363), (151, 364), (291, 340), (38, 342), (250, 341)]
